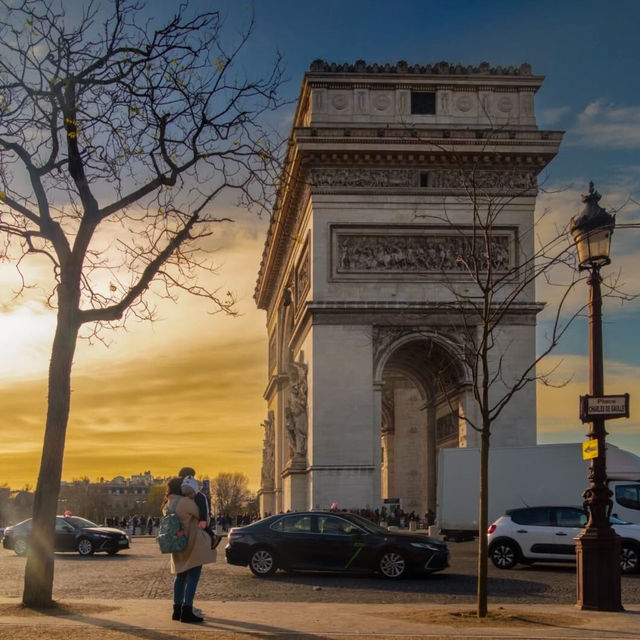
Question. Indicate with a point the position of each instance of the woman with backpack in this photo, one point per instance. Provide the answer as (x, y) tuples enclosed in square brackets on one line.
[(187, 564)]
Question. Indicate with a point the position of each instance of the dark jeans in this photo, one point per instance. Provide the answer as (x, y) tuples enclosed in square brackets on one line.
[(184, 586)]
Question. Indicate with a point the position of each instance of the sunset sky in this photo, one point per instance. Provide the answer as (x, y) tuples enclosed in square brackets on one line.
[(187, 389)]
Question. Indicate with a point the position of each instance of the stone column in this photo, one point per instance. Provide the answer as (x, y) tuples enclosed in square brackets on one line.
[(294, 479), (431, 471), (377, 437)]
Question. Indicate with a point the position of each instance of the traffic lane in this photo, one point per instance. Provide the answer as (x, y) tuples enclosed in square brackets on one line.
[(143, 572)]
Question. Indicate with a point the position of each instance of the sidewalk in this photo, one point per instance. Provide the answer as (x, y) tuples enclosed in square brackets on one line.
[(151, 618)]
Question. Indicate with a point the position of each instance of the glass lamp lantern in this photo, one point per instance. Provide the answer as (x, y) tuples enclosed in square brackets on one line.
[(592, 231)]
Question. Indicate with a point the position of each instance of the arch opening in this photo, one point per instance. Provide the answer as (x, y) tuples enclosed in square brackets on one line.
[(422, 412)]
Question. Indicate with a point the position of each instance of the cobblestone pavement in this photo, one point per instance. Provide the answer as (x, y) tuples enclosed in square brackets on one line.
[(142, 572)]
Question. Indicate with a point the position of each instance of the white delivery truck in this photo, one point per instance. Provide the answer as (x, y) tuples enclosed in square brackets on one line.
[(545, 474)]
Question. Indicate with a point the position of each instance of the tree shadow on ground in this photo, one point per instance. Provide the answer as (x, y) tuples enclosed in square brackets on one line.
[(443, 584)]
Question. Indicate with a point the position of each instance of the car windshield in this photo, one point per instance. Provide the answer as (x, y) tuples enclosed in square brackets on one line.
[(79, 523)]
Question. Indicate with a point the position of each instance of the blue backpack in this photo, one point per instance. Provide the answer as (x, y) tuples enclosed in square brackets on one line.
[(171, 537)]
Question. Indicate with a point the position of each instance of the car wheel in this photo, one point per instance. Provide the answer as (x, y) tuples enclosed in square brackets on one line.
[(85, 547), (262, 562), (393, 564), (629, 558), (504, 555), (20, 546)]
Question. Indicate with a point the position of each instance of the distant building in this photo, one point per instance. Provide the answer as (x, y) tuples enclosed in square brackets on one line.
[(117, 497)]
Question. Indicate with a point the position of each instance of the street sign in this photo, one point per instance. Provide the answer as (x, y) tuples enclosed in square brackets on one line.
[(605, 407), (589, 449)]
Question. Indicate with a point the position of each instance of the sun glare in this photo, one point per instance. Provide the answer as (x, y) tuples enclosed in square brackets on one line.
[(26, 332)]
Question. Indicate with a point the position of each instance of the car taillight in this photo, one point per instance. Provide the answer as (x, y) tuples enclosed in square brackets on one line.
[(492, 528)]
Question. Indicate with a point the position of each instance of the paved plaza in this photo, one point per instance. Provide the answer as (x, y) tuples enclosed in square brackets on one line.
[(129, 596)]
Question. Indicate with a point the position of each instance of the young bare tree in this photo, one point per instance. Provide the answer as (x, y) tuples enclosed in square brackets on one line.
[(117, 135), (495, 277)]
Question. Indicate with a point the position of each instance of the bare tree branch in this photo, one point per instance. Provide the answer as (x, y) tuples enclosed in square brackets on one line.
[(118, 135)]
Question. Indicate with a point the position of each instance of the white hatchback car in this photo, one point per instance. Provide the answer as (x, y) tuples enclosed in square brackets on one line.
[(546, 534)]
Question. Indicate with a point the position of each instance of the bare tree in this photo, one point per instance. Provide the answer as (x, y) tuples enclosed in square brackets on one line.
[(116, 137), (494, 280), (229, 492), (155, 498), (82, 497)]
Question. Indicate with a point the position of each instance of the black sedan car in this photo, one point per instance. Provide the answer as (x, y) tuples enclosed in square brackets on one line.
[(72, 534), (345, 542)]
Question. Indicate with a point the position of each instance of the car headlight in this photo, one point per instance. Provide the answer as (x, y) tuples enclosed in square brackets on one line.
[(425, 545)]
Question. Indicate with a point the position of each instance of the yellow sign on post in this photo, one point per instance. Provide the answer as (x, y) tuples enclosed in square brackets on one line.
[(589, 449)]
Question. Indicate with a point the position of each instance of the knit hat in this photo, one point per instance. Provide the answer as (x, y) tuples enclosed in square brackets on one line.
[(189, 484)]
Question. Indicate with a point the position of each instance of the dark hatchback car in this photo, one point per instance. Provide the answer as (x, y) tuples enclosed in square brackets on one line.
[(344, 542), (72, 534)]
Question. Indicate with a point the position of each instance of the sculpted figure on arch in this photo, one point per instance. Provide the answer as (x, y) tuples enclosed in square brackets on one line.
[(268, 451), (296, 420)]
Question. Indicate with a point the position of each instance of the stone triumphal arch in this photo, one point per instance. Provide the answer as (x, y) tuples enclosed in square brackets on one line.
[(367, 379)]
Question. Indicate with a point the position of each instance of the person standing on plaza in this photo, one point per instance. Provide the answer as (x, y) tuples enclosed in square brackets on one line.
[(202, 502), (187, 564)]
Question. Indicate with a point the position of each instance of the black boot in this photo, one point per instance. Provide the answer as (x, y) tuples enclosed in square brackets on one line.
[(177, 609), (187, 615)]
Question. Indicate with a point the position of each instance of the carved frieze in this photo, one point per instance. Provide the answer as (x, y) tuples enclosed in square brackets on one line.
[(364, 177), (420, 252), (465, 103), (512, 180), (370, 178)]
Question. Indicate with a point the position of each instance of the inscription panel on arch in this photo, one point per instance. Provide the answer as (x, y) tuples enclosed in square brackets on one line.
[(416, 250)]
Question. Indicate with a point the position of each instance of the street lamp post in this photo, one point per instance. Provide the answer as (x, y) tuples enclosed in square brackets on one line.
[(597, 545)]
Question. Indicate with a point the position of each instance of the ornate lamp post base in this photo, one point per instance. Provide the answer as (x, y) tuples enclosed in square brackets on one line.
[(598, 570)]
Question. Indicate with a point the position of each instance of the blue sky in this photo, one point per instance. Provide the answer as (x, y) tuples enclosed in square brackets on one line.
[(588, 52)]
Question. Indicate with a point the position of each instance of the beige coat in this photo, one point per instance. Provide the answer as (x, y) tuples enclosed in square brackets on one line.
[(199, 549)]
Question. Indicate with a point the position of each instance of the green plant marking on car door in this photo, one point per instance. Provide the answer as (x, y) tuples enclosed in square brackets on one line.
[(359, 547)]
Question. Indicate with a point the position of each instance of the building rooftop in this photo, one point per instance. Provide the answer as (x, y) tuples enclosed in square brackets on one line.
[(438, 68)]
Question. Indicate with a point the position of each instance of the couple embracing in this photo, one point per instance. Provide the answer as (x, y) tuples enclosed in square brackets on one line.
[(192, 508)]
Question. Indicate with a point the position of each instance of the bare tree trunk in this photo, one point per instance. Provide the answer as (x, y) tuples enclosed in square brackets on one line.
[(483, 522), (38, 579)]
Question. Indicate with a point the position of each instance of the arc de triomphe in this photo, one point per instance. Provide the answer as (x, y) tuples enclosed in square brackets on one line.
[(365, 383)]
